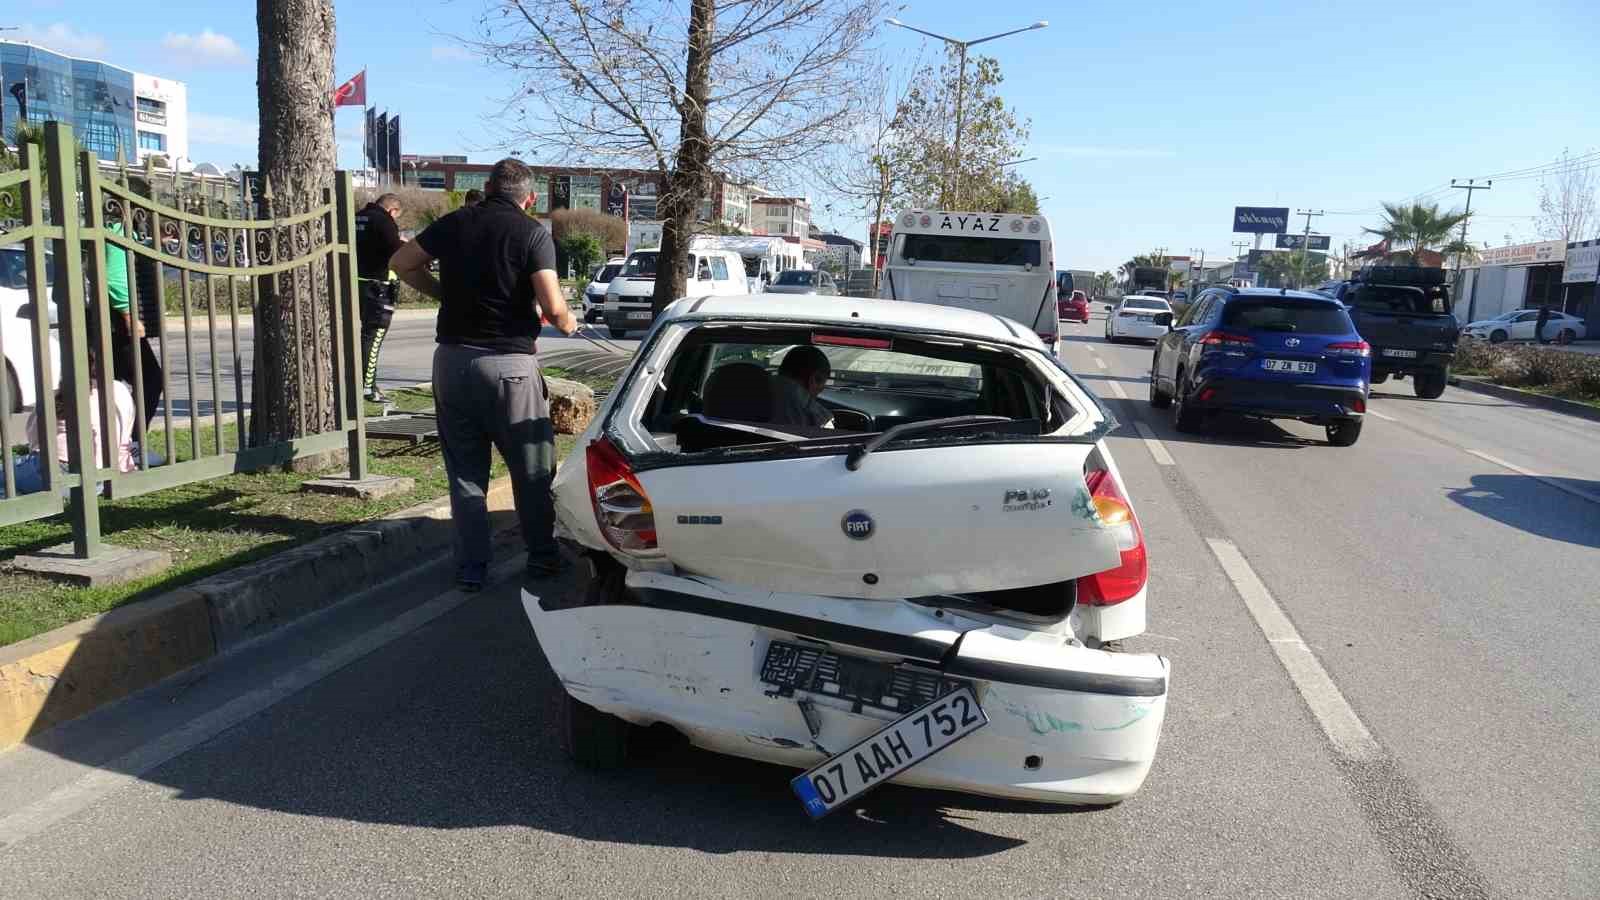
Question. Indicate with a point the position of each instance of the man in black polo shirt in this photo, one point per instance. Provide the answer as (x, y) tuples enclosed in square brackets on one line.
[(496, 275)]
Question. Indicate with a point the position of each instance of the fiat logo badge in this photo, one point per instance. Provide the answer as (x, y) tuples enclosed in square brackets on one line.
[(857, 525)]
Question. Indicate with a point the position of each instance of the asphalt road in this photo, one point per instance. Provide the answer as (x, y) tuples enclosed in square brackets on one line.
[(1448, 750), (405, 359)]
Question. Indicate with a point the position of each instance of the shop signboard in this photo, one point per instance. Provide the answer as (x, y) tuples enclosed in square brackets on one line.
[(1535, 254), (1583, 264)]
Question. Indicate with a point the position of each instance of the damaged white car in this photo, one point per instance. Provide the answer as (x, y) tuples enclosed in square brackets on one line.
[(918, 591)]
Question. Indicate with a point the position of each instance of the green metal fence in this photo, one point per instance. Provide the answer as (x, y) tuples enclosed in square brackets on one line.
[(221, 264)]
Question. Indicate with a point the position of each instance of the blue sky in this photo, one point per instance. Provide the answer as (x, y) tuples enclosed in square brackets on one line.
[(1150, 121)]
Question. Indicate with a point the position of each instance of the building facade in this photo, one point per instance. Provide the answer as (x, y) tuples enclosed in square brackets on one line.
[(107, 106), (632, 193)]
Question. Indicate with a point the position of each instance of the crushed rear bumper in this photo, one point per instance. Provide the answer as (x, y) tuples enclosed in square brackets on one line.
[(1067, 724)]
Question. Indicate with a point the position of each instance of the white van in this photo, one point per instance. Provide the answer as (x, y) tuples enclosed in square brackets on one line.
[(627, 306), (996, 263), (764, 257)]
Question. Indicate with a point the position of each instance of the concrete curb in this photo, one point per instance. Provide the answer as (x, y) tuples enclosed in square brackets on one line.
[(1527, 398), (60, 675)]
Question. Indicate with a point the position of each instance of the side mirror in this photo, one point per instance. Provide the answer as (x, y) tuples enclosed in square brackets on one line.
[(1164, 319), (1109, 307)]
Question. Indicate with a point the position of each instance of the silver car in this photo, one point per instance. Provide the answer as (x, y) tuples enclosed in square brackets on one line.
[(804, 281)]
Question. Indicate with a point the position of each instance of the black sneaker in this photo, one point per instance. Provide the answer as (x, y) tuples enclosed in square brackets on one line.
[(547, 566), (469, 577)]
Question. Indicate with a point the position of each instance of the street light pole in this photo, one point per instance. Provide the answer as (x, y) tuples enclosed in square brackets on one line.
[(1469, 187), (952, 186)]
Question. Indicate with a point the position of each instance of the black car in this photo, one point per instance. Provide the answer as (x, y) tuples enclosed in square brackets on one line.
[(1404, 313)]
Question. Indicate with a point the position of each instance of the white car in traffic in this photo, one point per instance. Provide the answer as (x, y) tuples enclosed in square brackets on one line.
[(594, 294), (16, 334), (1139, 317), (938, 568), (1520, 324)]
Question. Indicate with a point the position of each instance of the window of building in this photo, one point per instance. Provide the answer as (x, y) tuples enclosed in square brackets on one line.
[(586, 192), (150, 140), (466, 181), (429, 180), (150, 111)]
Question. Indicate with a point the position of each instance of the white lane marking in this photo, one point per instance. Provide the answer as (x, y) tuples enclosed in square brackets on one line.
[(1350, 738), (129, 768), (1157, 449), (1373, 412), (1116, 388), (1543, 479), (1101, 363)]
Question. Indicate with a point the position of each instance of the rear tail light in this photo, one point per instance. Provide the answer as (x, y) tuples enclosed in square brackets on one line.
[(1207, 394), (1227, 339), (1350, 348), (1359, 404), (1116, 514), (621, 507)]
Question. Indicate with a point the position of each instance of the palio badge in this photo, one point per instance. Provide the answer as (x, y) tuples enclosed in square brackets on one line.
[(1026, 501)]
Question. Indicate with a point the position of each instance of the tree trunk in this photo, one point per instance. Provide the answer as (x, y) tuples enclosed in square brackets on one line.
[(690, 173), (294, 346)]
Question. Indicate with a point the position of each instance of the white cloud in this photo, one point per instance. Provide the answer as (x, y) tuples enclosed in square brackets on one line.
[(222, 131), (1087, 152), (206, 48), (62, 38), (448, 53)]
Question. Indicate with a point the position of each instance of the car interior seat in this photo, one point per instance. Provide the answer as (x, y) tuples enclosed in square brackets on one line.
[(740, 391)]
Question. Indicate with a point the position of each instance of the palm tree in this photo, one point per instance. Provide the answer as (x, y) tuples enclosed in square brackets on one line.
[(1104, 281), (1410, 229)]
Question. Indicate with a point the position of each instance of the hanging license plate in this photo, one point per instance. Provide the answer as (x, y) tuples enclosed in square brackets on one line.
[(895, 748)]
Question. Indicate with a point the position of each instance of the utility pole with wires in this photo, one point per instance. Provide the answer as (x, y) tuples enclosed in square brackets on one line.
[(1305, 246), (1469, 187)]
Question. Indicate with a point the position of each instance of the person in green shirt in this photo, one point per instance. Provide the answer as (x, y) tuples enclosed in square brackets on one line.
[(129, 346)]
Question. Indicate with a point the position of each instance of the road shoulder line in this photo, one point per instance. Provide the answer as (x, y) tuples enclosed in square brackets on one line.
[(1158, 449), (1345, 730), (1546, 480)]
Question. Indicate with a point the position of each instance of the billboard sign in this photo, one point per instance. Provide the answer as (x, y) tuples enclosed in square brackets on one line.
[(1296, 241), (1261, 219), (617, 200)]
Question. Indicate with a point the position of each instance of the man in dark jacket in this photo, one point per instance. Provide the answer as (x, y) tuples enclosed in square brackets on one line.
[(497, 279), (377, 238), (1540, 323)]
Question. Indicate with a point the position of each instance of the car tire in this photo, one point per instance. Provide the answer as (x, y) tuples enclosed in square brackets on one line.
[(1158, 399), (593, 739), (1378, 378), (1429, 385), (1185, 418), (1497, 337), (1566, 336), (1344, 433), (618, 333)]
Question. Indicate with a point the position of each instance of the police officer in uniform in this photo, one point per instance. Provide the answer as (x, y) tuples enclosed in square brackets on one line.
[(377, 238)]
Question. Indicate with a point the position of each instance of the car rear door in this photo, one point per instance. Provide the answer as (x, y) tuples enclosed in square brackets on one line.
[(907, 523)]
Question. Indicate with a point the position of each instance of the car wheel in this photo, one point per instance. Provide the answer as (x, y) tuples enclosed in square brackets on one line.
[(1566, 336), (1185, 417), (1158, 399), (593, 739), (1497, 337), (1344, 433), (1380, 377), (618, 333), (1429, 385)]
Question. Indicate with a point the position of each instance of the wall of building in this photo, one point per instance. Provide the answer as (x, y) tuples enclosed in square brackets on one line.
[(161, 116)]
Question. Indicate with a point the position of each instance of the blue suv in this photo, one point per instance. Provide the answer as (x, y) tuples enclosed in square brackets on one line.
[(1272, 354)]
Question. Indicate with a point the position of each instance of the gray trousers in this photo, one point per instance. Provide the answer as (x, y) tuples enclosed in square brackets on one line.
[(486, 399)]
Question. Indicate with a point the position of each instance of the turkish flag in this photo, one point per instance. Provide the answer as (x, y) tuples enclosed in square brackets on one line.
[(352, 92)]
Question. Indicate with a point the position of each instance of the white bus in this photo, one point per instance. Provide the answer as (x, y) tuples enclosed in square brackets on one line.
[(996, 263)]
